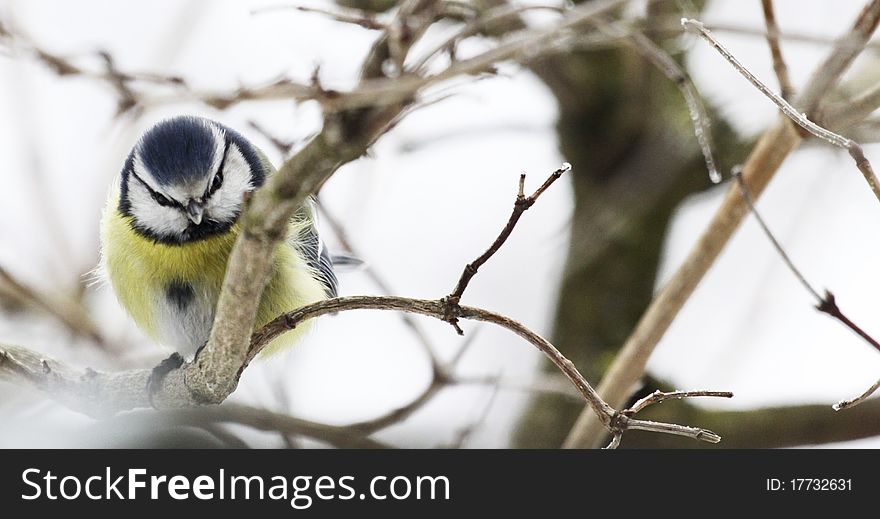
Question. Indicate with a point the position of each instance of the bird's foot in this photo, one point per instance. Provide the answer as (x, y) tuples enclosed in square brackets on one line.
[(160, 372)]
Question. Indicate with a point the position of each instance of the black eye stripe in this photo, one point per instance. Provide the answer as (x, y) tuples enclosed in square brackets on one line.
[(158, 197)]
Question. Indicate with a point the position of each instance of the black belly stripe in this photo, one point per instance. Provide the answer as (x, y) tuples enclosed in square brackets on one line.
[(180, 294)]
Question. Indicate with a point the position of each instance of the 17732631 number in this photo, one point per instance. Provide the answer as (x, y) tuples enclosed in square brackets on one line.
[(809, 484)]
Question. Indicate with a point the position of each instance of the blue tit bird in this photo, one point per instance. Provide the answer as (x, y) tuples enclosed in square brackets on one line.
[(169, 226)]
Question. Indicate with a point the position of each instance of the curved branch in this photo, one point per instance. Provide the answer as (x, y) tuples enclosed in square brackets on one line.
[(100, 393)]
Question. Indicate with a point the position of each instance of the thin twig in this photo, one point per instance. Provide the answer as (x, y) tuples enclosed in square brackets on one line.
[(659, 396), (855, 109), (668, 66), (478, 25), (779, 66), (466, 432), (282, 145), (784, 106), (121, 82), (442, 309), (358, 17), (624, 419), (669, 26), (375, 90), (615, 441), (854, 149), (829, 306), (826, 304), (747, 196), (846, 404), (522, 204)]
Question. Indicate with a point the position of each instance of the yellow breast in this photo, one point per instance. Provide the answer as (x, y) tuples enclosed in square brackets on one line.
[(140, 270)]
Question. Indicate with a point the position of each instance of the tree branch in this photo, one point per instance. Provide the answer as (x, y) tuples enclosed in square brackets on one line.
[(854, 149), (765, 427), (770, 151), (655, 398), (219, 365), (99, 394), (376, 88), (668, 66), (779, 65), (67, 311), (846, 404), (522, 204), (361, 18), (826, 304)]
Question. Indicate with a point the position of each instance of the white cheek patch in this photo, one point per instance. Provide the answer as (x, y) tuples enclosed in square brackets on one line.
[(225, 203), (160, 220), (219, 145)]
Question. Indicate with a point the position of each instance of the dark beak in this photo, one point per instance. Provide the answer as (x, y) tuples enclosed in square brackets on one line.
[(195, 210)]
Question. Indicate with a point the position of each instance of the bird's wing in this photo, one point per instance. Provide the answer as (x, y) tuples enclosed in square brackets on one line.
[(304, 237), (312, 248)]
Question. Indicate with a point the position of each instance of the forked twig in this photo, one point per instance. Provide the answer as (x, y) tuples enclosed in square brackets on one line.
[(624, 419), (521, 205)]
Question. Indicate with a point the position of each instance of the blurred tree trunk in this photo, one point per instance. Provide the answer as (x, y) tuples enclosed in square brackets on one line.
[(626, 130)]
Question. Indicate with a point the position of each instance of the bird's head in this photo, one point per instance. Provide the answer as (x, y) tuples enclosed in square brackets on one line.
[(186, 178)]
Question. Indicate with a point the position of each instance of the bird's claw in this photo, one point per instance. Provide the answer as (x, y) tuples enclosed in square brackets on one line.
[(154, 383)]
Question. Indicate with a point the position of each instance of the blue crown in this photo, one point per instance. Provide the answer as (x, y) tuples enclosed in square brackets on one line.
[(179, 150)]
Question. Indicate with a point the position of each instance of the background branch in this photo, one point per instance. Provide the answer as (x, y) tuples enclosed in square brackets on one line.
[(256, 418), (764, 428), (67, 311), (854, 149), (779, 66), (770, 151)]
